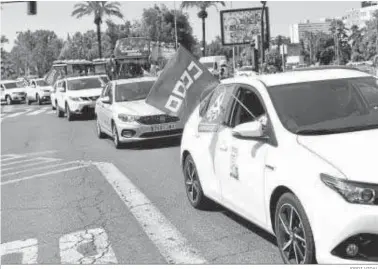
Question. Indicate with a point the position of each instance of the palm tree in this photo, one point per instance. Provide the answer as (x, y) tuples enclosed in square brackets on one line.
[(203, 6), (98, 9)]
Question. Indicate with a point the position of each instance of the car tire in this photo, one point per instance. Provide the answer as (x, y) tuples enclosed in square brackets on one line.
[(38, 99), (52, 107), (59, 113), (193, 186), (28, 101), (100, 133), (293, 231), (117, 143), (69, 114), (8, 100)]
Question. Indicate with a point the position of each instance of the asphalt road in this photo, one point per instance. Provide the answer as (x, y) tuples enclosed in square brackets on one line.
[(68, 197)]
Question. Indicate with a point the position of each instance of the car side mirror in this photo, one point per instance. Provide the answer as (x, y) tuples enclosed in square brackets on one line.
[(105, 99), (253, 129)]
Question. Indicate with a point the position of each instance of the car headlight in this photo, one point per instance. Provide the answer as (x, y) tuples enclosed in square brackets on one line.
[(352, 192), (75, 99), (127, 118)]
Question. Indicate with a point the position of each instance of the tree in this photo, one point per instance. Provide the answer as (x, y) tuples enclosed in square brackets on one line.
[(117, 31), (202, 14), (216, 48), (99, 9), (355, 40), (341, 46), (7, 67), (158, 25)]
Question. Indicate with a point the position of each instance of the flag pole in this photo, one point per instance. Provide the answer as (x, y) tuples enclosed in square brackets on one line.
[(174, 2)]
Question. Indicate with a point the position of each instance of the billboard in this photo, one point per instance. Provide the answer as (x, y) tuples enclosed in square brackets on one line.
[(239, 26)]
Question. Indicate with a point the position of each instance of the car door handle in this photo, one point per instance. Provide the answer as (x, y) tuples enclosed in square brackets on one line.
[(223, 148)]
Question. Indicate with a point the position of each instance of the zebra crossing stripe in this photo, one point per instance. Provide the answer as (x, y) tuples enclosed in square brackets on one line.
[(37, 111)]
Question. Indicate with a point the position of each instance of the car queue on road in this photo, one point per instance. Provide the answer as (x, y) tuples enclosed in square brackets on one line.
[(270, 148)]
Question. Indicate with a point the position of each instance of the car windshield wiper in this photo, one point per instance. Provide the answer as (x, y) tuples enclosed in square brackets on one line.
[(315, 131)]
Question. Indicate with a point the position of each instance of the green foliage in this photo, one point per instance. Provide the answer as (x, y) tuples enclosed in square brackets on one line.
[(7, 67)]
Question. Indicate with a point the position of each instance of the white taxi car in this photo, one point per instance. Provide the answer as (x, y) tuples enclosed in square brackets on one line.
[(295, 153), (12, 92), (77, 95), (39, 91), (123, 114)]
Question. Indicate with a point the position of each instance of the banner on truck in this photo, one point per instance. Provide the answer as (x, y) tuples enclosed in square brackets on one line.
[(179, 88)]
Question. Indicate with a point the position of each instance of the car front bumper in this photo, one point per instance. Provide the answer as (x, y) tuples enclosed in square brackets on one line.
[(337, 224), (18, 97), (82, 107), (132, 132)]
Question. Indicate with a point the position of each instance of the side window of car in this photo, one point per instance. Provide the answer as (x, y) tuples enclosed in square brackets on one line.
[(104, 90), (63, 85), (246, 107), (110, 93), (2, 87)]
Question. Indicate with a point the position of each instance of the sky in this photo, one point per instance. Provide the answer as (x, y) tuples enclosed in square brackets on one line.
[(56, 16)]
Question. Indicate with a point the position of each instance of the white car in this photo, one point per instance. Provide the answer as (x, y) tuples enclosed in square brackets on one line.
[(245, 71), (39, 91), (77, 95), (12, 92), (295, 153), (123, 114)]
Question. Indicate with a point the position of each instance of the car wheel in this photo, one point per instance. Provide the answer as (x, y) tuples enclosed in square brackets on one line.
[(38, 99), (100, 134), (69, 113), (59, 113), (117, 144), (293, 231), (52, 106), (8, 99), (28, 101), (193, 186)]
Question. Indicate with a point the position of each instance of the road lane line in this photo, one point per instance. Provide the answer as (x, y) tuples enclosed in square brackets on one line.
[(40, 168), (29, 165), (26, 161), (170, 242), (36, 112), (50, 112), (28, 248), (44, 174), (18, 113), (25, 155), (8, 156)]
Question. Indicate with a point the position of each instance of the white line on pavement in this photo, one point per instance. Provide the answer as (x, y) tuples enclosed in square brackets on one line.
[(30, 164), (18, 113), (40, 168), (50, 112), (171, 244), (37, 111), (8, 156), (26, 161), (24, 155), (44, 174)]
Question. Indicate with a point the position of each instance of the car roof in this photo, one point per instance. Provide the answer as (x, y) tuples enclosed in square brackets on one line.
[(299, 76), (80, 77), (134, 80)]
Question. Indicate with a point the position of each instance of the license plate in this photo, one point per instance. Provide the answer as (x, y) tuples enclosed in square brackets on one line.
[(163, 127)]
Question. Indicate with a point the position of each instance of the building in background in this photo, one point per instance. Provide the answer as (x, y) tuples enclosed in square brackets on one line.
[(360, 16), (297, 31)]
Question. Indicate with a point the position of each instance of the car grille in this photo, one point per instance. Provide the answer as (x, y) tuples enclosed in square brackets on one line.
[(157, 119), (90, 98), (161, 133), (19, 93)]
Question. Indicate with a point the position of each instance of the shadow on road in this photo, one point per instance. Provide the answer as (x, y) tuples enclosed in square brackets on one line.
[(153, 144), (214, 207)]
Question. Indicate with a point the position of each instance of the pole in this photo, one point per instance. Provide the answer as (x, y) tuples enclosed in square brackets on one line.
[(233, 51), (175, 25), (262, 33), (283, 58)]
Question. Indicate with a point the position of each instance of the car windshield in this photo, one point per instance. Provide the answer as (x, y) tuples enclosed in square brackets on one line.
[(326, 107), (42, 83), (84, 83), (10, 85), (105, 79), (246, 68), (133, 91)]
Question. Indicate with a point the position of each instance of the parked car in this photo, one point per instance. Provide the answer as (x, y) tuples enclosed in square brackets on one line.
[(39, 91), (295, 154), (12, 92), (77, 95), (123, 114), (245, 71), (212, 63)]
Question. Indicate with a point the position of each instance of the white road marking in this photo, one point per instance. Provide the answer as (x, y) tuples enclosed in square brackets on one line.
[(70, 244), (39, 168), (44, 174), (8, 156), (18, 113), (171, 244), (25, 161), (29, 165), (37, 111), (28, 248), (24, 155), (51, 112)]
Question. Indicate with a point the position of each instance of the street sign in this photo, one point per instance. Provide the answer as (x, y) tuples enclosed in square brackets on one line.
[(239, 26)]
